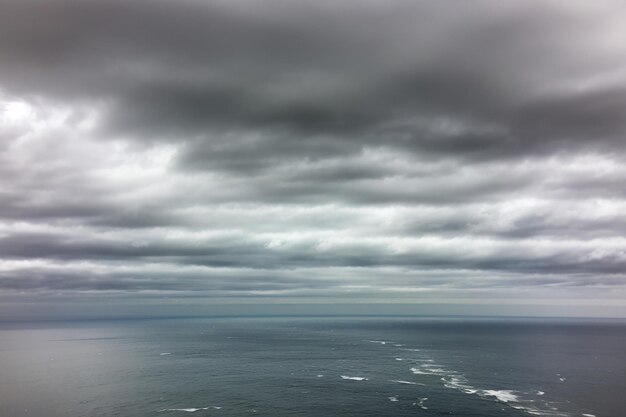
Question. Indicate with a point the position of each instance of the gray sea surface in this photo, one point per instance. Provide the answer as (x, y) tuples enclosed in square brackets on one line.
[(314, 366)]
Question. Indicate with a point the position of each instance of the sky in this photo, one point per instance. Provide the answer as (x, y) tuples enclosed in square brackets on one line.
[(171, 157)]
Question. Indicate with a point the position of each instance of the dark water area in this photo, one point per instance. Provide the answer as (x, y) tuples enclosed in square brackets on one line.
[(314, 367)]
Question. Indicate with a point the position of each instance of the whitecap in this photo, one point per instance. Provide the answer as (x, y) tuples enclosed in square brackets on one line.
[(418, 371), (399, 381), (458, 382), (502, 395), (393, 399), (428, 370), (421, 404), (380, 342), (589, 415), (354, 378), (190, 410), (164, 353)]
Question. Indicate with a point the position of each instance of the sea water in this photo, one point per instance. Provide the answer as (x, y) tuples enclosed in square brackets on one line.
[(315, 366)]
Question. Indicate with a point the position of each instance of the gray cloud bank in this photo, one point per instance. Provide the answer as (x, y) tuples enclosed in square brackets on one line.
[(403, 150)]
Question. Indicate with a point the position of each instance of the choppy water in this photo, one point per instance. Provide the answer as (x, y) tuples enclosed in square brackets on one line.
[(314, 367)]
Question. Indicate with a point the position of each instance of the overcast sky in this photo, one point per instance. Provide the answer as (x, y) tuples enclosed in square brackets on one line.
[(175, 154)]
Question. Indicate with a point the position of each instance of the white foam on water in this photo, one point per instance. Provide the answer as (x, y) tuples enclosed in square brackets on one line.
[(537, 412), (190, 410), (380, 342), (418, 371), (354, 378), (508, 397), (393, 399), (429, 370), (399, 381), (399, 359), (164, 353), (589, 415), (421, 403), (320, 376), (529, 410), (399, 345), (411, 349), (457, 381), (562, 379), (504, 395)]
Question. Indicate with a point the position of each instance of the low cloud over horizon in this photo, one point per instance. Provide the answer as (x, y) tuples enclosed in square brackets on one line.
[(212, 151)]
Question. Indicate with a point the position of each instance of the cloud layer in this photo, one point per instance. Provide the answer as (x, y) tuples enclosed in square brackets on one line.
[(426, 150)]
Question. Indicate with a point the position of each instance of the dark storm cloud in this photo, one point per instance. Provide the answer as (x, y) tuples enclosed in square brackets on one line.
[(320, 80), (318, 149)]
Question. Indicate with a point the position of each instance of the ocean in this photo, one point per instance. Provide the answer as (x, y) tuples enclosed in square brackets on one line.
[(314, 366)]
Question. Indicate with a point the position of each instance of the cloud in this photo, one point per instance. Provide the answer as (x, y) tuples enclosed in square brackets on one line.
[(312, 150)]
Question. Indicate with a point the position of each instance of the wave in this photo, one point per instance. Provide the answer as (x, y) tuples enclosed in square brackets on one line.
[(354, 378), (399, 381), (190, 410), (423, 370), (457, 381), (504, 395), (420, 404), (380, 342)]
